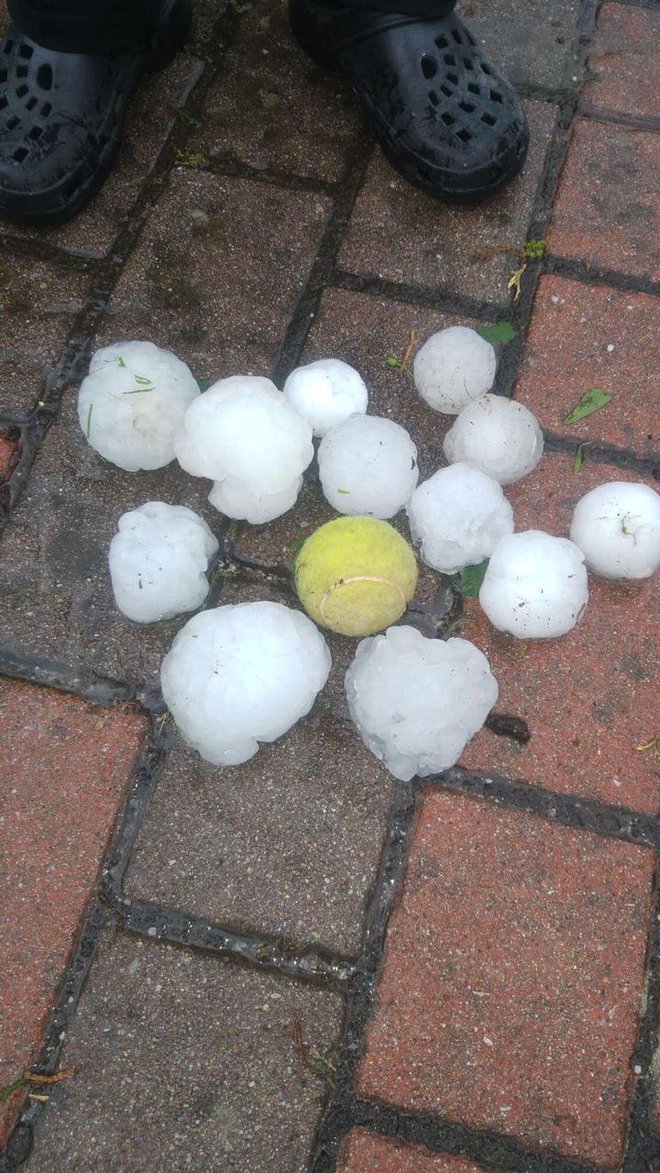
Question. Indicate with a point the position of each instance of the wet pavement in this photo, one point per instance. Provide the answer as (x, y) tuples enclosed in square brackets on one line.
[(301, 964)]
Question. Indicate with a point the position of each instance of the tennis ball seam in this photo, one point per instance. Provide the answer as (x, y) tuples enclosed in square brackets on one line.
[(325, 598)]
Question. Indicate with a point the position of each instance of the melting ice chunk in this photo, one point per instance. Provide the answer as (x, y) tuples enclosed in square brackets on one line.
[(368, 465), (497, 435), (453, 367), (535, 586), (458, 516), (326, 392), (617, 527)]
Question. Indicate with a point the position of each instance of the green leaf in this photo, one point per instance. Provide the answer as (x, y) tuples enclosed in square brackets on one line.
[(204, 384), (393, 361), (139, 391), (88, 426), (120, 361), (590, 402), (346, 492), (470, 578), (141, 379), (7, 1091), (579, 458), (534, 250), (501, 332)]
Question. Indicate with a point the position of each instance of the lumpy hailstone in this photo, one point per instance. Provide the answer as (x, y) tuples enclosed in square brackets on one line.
[(368, 465), (453, 367), (241, 674), (458, 516), (132, 403), (243, 431), (535, 586), (417, 701), (326, 392), (158, 561), (498, 436), (617, 527)]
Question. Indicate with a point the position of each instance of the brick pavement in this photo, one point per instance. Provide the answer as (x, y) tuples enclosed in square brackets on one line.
[(302, 964)]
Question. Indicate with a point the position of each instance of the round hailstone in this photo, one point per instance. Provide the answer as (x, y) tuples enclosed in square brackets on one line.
[(241, 674), (499, 436), (617, 527), (158, 561), (458, 517), (326, 392), (236, 499), (535, 586), (243, 427), (132, 403), (368, 465), (453, 367), (417, 701)]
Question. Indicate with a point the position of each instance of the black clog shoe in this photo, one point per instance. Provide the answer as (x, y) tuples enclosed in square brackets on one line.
[(61, 116), (446, 120)]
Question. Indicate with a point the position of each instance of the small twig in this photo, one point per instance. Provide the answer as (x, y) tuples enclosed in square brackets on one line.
[(310, 1057)]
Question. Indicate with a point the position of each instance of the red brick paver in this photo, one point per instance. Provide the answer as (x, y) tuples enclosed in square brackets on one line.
[(362, 1152), (589, 697), (63, 769), (583, 336), (9, 451), (606, 211), (513, 978), (624, 61)]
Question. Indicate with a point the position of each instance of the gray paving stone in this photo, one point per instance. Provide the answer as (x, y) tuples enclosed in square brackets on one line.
[(217, 272), (38, 303), (531, 41), (185, 1062), (402, 235), (273, 108)]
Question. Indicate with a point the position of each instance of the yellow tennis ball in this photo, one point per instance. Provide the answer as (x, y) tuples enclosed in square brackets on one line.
[(355, 575)]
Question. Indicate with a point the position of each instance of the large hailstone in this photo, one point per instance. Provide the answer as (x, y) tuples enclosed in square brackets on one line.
[(535, 586), (417, 701), (132, 403), (368, 465), (617, 527), (158, 561), (458, 516), (499, 436), (453, 367), (241, 674), (326, 392), (244, 432)]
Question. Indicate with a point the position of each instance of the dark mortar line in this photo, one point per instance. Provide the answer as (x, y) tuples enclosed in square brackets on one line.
[(533, 91), (264, 951), (88, 685), (73, 980), (227, 165), (439, 298), (642, 1148), (306, 309), (578, 270), (492, 1149), (567, 810), (650, 4), (40, 248), (598, 453), (617, 118)]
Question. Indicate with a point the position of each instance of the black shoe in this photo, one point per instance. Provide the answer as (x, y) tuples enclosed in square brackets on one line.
[(61, 116), (446, 120)]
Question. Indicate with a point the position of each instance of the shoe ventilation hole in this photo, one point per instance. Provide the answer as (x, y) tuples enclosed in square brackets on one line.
[(448, 119), (446, 90), (450, 59), (464, 135), (442, 42), (424, 173), (429, 66), (488, 119), (20, 154), (31, 103), (3, 76), (8, 46), (434, 98), (45, 77), (35, 133), (453, 78), (3, 103), (467, 62), (21, 71), (12, 123), (469, 107), (473, 87), (471, 39), (22, 91), (25, 51), (457, 36), (485, 68), (46, 109), (495, 97)]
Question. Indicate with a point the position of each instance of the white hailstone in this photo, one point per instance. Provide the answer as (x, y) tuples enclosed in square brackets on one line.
[(241, 674), (132, 403), (368, 465), (243, 428), (417, 701), (236, 499), (453, 367), (458, 516), (158, 561), (326, 392), (535, 586), (617, 527), (497, 435)]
